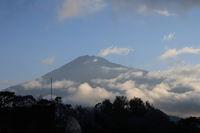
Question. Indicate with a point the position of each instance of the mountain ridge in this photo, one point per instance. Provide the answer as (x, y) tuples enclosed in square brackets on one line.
[(84, 65)]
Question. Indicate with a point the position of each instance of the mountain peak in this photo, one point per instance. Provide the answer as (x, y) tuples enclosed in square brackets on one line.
[(87, 58), (92, 60), (92, 66)]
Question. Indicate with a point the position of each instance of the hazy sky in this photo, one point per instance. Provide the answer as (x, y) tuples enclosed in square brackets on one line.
[(37, 36)]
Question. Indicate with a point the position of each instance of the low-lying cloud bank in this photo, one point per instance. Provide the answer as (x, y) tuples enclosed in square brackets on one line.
[(175, 91)]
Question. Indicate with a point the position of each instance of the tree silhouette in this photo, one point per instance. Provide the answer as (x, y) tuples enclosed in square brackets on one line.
[(120, 104), (138, 107), (121, 115), (23, 101), (188, 125), (130, 116), (6, 99)]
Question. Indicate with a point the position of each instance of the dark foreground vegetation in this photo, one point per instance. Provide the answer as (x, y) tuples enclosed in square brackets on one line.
[(120, 116)]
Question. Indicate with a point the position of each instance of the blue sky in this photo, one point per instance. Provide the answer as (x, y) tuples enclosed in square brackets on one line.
[(37, 37)]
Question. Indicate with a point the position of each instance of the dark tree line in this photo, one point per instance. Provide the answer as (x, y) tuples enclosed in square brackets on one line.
[(120, 116)]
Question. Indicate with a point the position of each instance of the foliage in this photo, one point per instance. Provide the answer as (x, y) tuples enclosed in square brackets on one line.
[(23, 101), (188, 125), (6, 99), (130, 116), (121, 115)]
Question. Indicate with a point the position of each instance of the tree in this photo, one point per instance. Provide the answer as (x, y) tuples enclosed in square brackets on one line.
[(137, 106), (58, 99), (120, 104), (23, 101), (188, 125), (6, 99), (105, 107)]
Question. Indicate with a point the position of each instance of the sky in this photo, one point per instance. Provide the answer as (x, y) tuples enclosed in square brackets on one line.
[(37, 36)]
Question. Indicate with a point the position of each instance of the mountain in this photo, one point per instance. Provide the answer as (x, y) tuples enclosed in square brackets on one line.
[(86, 80)]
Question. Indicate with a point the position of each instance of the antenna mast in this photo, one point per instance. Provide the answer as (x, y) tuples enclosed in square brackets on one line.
[(51, 89)]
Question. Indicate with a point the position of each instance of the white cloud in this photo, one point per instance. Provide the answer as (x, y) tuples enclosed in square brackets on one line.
[(37, 83), (48, 61), (169, 37), (174, 52), (114, 50), (63, 84), (95, 60), (40, 84), (89, 96), (164, 13), (107, 69), (77, 8), (148, 11), (175, 89)]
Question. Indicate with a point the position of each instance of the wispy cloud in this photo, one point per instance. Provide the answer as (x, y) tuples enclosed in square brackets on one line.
[(115, 50), (78, 8), (8, 82), (174, 52), (48, 61), (169, 37), (162, 7), (164, 13), (40, 83), (143, 9)]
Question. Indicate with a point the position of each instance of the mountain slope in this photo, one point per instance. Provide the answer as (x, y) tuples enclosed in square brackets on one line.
[(84, 69)]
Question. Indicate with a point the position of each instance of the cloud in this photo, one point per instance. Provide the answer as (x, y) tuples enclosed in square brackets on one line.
[(37, 83), (107, 69), (161, 7), (114, 50), (143, 9), (48, 61), (40, 83), (89, 96), (8, 82), (169, 37), (164, 13), (174, 52), (63, 84), (176, 91), (78, 8)]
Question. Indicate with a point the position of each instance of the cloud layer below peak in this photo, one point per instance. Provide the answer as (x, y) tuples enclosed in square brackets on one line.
[(175, 91)]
